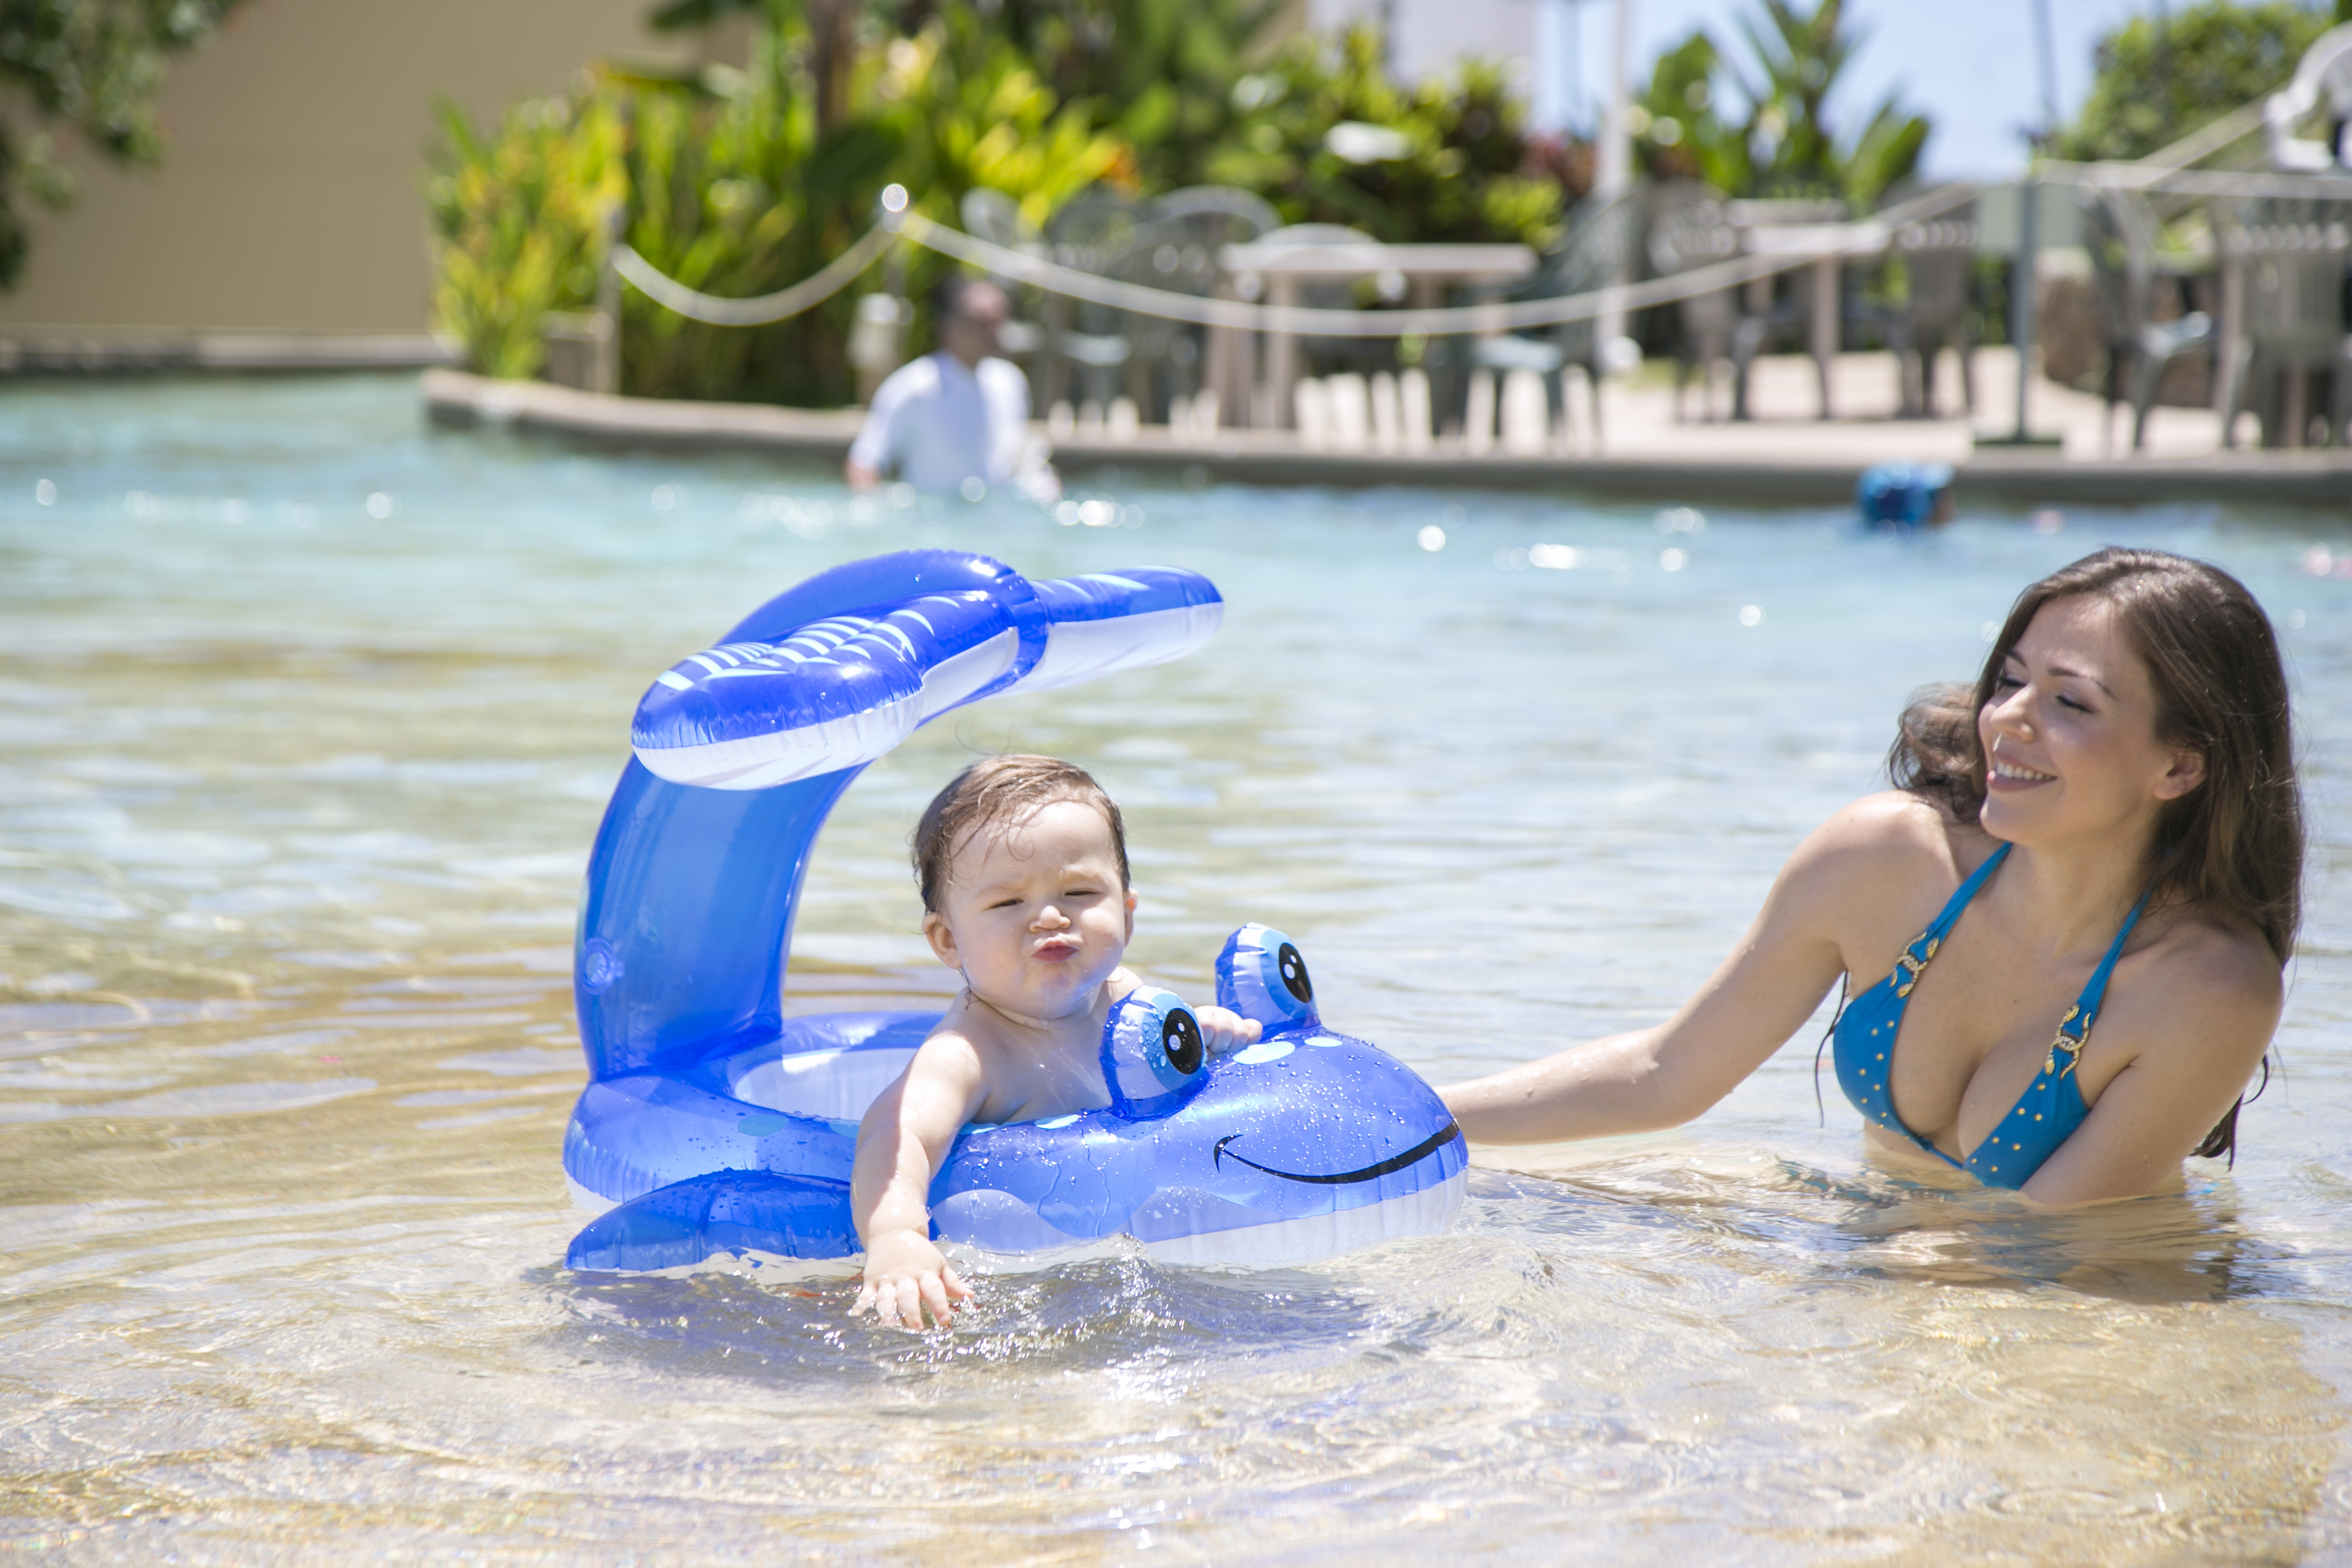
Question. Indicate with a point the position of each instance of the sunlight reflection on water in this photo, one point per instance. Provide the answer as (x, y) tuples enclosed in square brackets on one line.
[(306, 719)]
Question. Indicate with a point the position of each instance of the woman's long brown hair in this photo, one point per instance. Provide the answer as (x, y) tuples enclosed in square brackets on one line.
[(2233, 846)]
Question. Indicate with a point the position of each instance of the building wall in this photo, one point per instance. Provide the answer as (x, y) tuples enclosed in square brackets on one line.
[(290, 196)]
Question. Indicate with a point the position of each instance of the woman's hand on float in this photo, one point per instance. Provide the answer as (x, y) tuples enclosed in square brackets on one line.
[(905, 1274), (1222, 1030)]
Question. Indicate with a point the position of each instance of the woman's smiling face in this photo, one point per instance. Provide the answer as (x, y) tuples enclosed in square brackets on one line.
[(2070, 734)]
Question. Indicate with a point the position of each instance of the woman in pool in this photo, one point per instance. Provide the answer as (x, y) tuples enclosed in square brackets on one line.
[(2108, 828)]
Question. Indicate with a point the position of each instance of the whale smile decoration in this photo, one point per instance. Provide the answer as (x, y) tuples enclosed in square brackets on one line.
[(713, 1124), (1394, 1163)]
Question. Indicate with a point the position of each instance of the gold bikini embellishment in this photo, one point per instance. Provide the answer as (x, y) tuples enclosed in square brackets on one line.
[(2071, 1044), (1915, 965)]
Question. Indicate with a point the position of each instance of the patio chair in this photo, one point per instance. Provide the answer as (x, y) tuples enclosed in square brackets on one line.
[(2283, 263), (1938, 259), (1691, 227), (1602, 249), (1188, 228), (1779, 308), (2324, 74), (2120, 235), (1086, 343)]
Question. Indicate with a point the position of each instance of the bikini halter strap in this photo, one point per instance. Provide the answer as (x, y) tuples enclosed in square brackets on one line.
[(1913, 957), (2075, 1028)]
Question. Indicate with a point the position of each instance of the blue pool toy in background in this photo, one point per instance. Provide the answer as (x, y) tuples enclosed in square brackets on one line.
[(1904, 495), (713, 1124)]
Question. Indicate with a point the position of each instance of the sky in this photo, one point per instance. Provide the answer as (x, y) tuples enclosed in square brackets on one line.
[(1969, 65)]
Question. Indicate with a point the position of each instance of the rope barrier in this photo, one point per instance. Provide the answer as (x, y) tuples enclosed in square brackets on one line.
[(2162, 170), (762, 310), (1169, 305), (1443, 321), (2196, 181)]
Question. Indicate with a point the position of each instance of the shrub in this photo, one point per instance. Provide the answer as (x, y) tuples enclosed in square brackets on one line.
[(2155, 84)]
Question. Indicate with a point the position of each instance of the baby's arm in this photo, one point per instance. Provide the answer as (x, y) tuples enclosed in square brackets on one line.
[(906, 1134)]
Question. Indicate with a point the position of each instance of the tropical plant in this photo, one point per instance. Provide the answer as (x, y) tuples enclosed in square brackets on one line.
[(730, 186), (1786, 146), (93, 67), (1327, 137), (2159, 80), (1160, 73), (738, 183), (518, 220), (1679, 132)]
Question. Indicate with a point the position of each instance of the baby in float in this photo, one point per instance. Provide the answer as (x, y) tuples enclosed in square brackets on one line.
[(1022, 864)]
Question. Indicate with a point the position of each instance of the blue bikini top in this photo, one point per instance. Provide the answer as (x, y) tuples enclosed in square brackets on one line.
[(2045, 1117)]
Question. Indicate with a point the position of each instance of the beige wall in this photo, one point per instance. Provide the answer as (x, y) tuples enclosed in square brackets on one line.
[(291, 195)]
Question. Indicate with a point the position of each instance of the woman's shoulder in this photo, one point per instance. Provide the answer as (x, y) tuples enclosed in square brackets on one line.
[(2219, 967), (1899, 838)]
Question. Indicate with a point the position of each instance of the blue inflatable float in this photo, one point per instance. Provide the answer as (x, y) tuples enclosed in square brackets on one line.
[(713, 1124)]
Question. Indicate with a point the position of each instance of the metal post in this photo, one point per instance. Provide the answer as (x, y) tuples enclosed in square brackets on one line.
[(1613, 178), (607, 376), (2020, 296)]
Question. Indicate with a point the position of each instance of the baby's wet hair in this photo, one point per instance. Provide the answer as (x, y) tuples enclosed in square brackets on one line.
[(999, 790)]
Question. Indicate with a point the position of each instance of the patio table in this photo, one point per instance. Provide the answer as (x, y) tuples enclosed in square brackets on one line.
[(1282, 269), (1826, 247)]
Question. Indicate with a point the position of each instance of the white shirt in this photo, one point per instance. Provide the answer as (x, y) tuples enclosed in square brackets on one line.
[(940, 424)]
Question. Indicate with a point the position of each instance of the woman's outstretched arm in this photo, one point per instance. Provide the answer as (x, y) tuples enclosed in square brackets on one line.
[(1665, 1075)]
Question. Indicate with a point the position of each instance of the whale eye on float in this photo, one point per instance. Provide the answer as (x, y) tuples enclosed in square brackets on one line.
[(1180, 1042), (1261, 975), (1152, 1053), (1292, 970)]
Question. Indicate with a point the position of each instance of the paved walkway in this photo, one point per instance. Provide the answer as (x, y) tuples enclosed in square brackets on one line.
[(1785, 455), (1638, 418)]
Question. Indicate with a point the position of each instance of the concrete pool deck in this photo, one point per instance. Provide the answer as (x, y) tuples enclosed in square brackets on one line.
[(1783, 455)]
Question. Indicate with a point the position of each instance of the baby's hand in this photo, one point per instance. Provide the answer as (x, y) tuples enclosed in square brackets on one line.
[(1225, 1030), (904, 1274)]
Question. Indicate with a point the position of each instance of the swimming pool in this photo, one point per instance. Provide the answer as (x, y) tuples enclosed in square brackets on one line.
[(306, 718)]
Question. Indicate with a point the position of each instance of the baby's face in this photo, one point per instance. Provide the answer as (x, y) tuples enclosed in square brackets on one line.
[(1034, 913)]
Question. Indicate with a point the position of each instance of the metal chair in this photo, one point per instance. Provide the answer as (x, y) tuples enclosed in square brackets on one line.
[(2121, 238), (1691, 227), (2283, 273)]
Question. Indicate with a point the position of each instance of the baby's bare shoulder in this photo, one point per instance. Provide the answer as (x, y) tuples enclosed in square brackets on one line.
[(960, 1046)]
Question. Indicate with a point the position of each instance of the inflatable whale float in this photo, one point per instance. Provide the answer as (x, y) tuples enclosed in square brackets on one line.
[(713, 1124)]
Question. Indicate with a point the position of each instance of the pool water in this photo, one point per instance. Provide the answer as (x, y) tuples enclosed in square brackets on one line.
[(307, 715)]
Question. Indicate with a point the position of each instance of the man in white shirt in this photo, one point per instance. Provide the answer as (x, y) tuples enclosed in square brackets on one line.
[(958, 418)]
